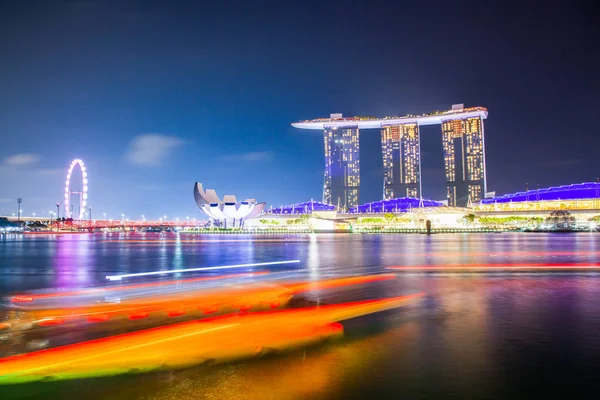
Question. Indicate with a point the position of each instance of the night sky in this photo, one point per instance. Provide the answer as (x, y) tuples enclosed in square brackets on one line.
[(154, 96)]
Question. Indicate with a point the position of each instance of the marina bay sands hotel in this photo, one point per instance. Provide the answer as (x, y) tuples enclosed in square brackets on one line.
[(462, 139)]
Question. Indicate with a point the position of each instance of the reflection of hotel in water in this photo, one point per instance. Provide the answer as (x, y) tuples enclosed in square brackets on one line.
[(463, 144)]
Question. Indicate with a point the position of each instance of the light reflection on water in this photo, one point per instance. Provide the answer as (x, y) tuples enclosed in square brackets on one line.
[(474, 336)]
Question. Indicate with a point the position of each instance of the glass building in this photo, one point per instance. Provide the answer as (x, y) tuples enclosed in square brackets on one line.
[(342, 166), (401, 161), (464, 160)]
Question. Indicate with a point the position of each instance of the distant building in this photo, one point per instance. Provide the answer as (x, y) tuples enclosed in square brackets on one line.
[(581, 199), (342, 166), (401, 161)]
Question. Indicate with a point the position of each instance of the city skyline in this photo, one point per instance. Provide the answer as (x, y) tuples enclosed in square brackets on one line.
[(463, 144), (152, 97)]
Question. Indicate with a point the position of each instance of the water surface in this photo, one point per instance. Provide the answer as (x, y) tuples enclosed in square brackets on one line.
[(475, 335)]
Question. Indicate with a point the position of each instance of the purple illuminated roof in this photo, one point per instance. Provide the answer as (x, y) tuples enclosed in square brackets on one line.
[(400, 204), (303, 208), (588, 190)]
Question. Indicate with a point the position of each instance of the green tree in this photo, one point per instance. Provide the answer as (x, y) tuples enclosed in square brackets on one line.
[(561, 219), (389, 217), (470, 218)]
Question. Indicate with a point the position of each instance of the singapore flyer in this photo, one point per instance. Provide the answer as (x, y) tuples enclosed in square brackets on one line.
[(83, 194)]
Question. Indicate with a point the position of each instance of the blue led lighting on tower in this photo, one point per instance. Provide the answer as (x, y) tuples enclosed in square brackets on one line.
[(342, 166)]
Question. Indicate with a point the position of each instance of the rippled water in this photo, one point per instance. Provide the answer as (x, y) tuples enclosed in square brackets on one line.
[(476, 335)]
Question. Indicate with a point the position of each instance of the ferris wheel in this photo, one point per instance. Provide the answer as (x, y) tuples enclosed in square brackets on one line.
[(83, 194)]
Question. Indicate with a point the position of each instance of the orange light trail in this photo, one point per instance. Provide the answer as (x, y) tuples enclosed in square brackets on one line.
[(252, 296), (503, 267), (333, 283), (180, 345), (23, 298)]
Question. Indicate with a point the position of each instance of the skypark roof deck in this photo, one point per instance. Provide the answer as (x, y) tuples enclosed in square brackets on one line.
[(435, 118)]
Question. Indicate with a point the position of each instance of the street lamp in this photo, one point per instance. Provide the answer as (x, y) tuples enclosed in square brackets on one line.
[(19, 201)]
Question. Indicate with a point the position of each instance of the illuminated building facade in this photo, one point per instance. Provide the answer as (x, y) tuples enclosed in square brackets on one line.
[(401, 161), (342, 166), (463, 144), (464, 160), (306, 207), (226, 213)]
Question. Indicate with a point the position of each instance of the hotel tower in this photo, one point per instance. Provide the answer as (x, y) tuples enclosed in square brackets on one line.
[(462, 140), (342, 166), (464, 160), (401, 161)]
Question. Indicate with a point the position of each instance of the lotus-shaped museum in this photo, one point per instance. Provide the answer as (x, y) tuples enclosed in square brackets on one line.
[(228, 213)]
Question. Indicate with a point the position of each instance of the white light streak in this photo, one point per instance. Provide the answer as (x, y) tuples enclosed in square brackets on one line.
[(174, 271)]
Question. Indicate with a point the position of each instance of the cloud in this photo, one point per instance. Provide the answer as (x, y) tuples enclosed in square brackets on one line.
[(151, 150), (52, 171), (20, 159), (253, 156)]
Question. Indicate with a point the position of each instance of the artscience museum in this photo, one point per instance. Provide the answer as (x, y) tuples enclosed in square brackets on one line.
[(228, 213)]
